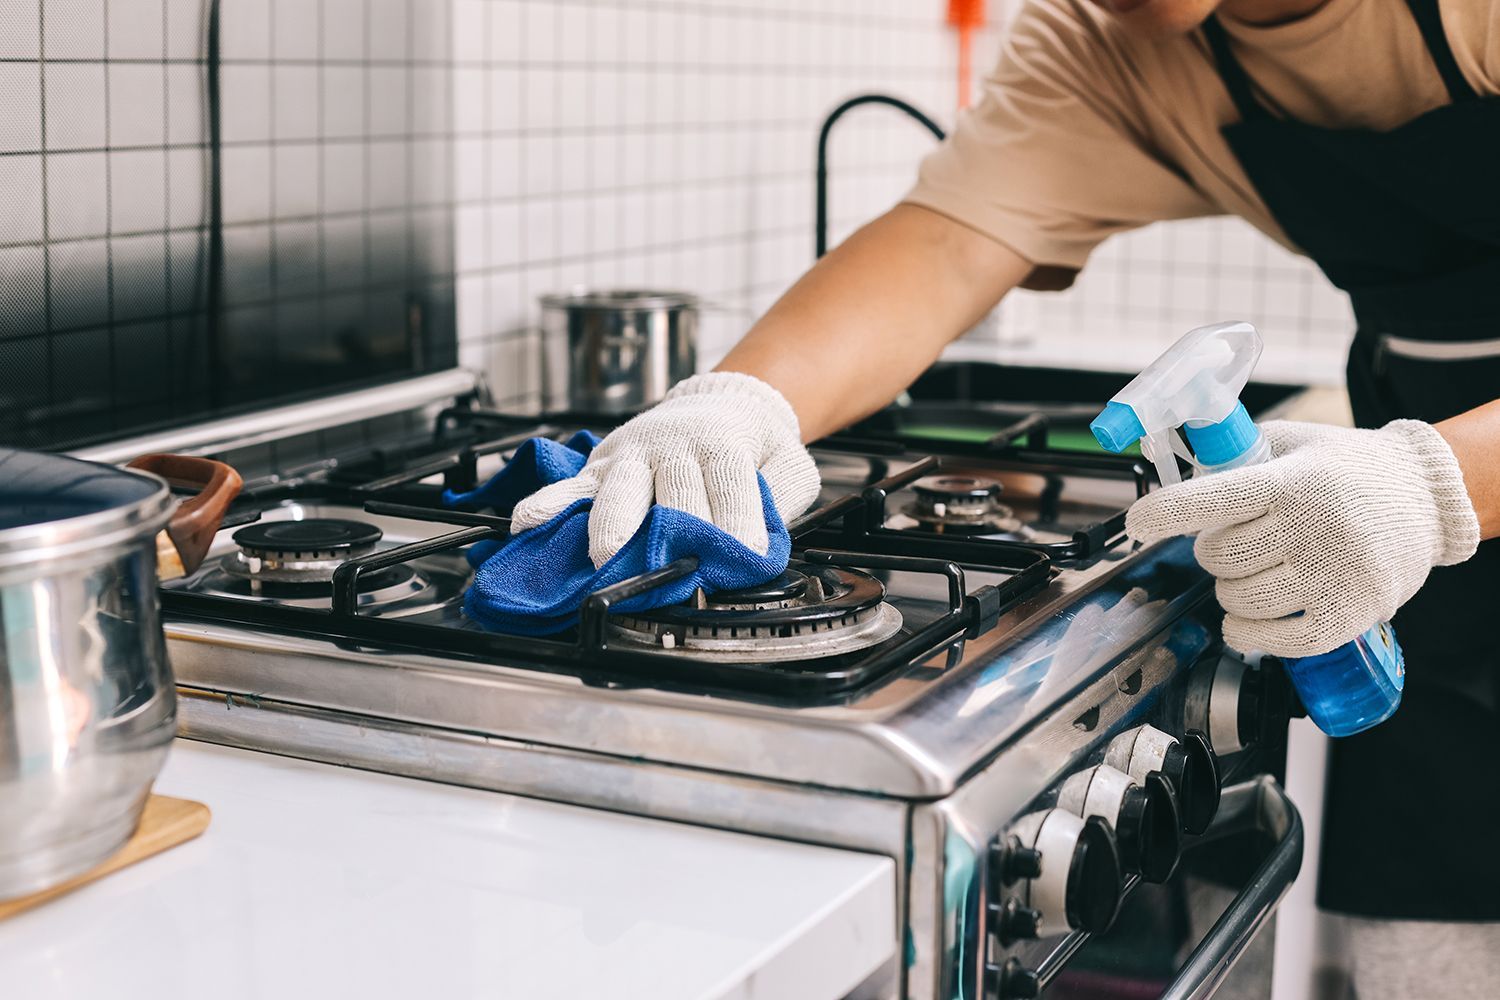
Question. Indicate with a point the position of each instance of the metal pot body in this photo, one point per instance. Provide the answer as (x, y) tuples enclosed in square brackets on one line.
[(87, 703), (616, 351)]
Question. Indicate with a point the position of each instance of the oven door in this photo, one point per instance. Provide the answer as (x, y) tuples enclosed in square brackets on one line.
[(1181, 940)]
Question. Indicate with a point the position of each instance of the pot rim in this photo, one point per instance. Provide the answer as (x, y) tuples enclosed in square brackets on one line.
[(101, 531), (582, 297)]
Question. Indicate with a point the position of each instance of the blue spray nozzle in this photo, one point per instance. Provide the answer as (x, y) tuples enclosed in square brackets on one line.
[(1225, 441), (1117, 427), (1195, 381)]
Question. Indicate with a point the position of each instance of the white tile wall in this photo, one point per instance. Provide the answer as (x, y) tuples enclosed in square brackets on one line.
[(1142, 290), (670, 143)]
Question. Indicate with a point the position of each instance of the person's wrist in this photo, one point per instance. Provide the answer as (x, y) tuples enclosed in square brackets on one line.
[(738, 386), (1458, 521), (1474, 437)]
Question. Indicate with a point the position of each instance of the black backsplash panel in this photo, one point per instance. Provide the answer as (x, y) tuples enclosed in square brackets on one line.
[(212, 207)]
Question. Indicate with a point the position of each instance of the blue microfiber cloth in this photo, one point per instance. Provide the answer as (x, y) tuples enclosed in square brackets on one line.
[(534, 583)]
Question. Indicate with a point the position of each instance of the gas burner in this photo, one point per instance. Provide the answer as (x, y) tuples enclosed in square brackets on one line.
[(961, 505), (806, 612), (306, 551), (292, 562)]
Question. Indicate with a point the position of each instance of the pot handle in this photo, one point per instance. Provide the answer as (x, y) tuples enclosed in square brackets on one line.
[(196, 520)]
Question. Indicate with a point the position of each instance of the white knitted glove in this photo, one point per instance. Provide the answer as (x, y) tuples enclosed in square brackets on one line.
[(698, 450), (1327, 539)]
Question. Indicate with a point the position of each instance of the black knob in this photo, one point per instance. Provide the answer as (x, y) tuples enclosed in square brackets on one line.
[(1194, 773), (1093, 890), (1011, 981), (1011, 861), (1013, 921), (1155, 831), (1251, 708), (1287, 691), (1279, 704)]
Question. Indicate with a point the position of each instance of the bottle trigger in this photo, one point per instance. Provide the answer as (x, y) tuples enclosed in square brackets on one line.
[(1161, 447)]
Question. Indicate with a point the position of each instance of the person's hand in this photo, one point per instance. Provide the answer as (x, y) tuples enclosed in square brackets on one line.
[(698, 450), (1330, 537)]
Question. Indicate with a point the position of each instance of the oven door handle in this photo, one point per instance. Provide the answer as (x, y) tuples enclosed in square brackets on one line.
[(1261, 804)]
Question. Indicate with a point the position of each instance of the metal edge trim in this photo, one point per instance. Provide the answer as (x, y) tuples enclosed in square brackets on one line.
[(825, 817), (243, 431)]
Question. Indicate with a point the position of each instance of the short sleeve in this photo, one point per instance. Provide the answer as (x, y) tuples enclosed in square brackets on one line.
[(1055, 158)]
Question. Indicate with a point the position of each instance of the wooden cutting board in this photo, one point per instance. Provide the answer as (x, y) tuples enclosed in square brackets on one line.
[(165, 822)]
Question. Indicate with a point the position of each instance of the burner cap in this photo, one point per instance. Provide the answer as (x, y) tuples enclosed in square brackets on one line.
[(321, 535), (962, 504), (779, 592), (956, 489), (805, 613)]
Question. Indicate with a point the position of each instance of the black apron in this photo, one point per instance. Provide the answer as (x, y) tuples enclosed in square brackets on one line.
[(1408, 223)]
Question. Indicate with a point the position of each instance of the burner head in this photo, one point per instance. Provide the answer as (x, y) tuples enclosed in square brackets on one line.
[(805, 613), (306, 551), (961, 504), (784, 591), (312, 538)]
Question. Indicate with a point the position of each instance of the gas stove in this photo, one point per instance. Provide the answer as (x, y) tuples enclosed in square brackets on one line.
[(965, 667)]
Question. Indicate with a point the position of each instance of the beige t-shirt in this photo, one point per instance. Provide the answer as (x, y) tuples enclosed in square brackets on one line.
[(1085, 129)]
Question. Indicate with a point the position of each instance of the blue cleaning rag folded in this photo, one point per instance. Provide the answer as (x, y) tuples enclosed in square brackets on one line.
[(534, 582)]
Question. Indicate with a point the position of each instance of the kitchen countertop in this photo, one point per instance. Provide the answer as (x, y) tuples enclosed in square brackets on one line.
[(315, 880)]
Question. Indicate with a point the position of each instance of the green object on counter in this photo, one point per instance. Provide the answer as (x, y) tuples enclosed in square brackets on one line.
[(939, 432), (1083, 439), (1063, 438)]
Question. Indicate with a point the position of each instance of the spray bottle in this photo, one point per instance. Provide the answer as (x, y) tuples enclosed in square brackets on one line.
[(1196, 386)]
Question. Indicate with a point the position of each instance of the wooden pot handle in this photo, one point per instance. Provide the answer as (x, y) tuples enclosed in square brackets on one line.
[(196, 520)]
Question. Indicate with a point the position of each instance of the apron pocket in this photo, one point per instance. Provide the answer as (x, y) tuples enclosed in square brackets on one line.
[(1433, 380)]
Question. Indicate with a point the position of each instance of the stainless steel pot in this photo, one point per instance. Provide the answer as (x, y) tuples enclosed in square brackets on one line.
[(616, 351), (87, 704)]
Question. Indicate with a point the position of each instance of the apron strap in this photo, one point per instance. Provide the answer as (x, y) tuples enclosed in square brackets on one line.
[(1236, 80), (1430, 20)]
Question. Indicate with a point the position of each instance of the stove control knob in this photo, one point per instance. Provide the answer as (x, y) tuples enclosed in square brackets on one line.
[(1011, 981), (1012, 921), (1078, 885), (1143, 815), (1188, 764), (1011, 861), (1234, 704)]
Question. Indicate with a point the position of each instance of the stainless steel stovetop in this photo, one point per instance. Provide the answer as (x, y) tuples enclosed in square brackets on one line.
[(1013, 639)]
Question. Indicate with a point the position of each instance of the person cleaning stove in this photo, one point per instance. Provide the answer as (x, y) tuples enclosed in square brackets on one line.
[(1362, 133)]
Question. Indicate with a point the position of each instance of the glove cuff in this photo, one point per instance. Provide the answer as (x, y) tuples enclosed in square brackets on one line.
[(1457, 520), (738, 385)]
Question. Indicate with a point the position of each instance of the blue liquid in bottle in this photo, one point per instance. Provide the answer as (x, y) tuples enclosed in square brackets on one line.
[(1354, 687)]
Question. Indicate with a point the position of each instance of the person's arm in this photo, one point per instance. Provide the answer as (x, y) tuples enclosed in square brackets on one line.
[(872, 315), (1475, 439), (842, 343)]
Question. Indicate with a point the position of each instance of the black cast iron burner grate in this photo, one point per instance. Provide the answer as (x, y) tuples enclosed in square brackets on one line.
[(591, 653), (1023, 442), (848, 531), (968, 614)]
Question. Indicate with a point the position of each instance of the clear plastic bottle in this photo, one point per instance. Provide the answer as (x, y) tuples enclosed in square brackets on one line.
[(1354, 687), (1195, 386)]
